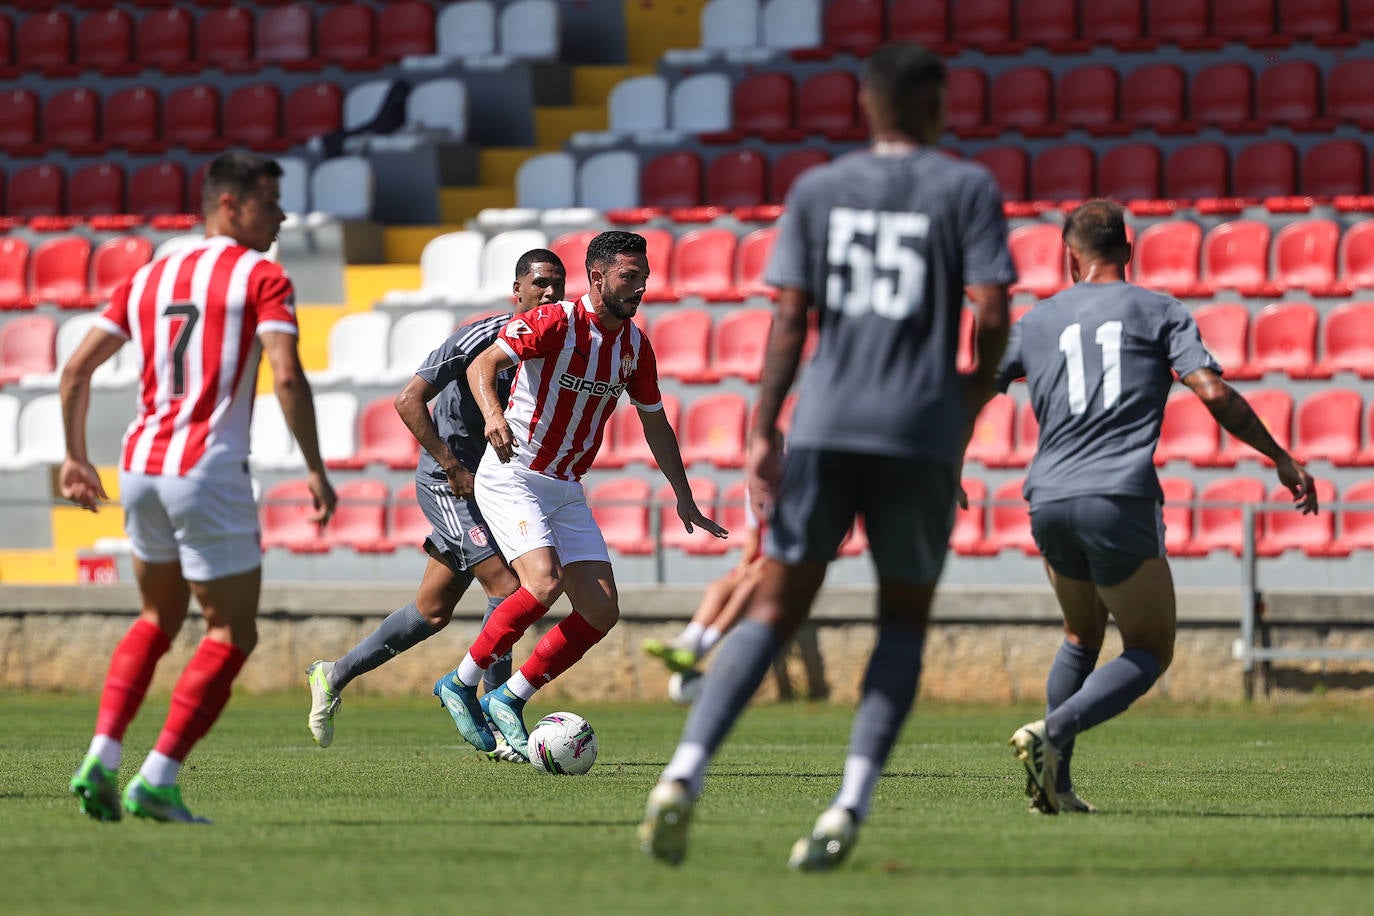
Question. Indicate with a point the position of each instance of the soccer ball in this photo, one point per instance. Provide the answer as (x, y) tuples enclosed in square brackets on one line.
[(562, 743), (684, 688)]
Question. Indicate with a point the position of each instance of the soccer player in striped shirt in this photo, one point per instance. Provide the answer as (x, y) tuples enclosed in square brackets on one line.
[(575, 360), (199, 320), (460, 547)]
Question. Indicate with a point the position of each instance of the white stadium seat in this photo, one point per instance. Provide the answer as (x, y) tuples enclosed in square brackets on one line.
[(9, 429), (450, 271), (356, 348), (608, 181), (342, 188), (639, 103), (413, 337), (271, 447), (529, 30), (336, 416), (439, 106), (789, 24), (701, 104), (295, 180), (362, 103), (729, 24), (498, 262), (546, 181), (70, 333), (40, 436), (466, 30)]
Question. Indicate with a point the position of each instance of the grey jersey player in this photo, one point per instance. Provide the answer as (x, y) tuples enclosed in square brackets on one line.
[(1099, 358), (882, 244)]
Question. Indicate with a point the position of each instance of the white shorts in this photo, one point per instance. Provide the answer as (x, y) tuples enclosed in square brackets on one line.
[(209, 524), (526, 510)]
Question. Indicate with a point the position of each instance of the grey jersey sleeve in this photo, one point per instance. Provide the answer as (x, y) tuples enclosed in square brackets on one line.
[(987, 259), (1183, 341), (443, 367), (787, 266), (1011, 368)]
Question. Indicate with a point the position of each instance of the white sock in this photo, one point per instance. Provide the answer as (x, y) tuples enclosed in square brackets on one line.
[(469, 672), (110, 751), (521, 686), (688, 765), (708, 639), (160, 770), (690, 637), (856, 791)]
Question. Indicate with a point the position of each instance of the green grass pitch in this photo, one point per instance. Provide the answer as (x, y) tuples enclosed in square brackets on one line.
[(1207, 810)]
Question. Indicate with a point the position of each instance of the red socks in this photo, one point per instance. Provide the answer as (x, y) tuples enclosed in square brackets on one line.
[(506, 625), (199, 696), (560, 649), (131, 670)]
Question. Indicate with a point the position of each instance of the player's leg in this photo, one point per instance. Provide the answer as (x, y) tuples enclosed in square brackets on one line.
[(499, 583), (734, 609), (1085, 626), (702, 631)]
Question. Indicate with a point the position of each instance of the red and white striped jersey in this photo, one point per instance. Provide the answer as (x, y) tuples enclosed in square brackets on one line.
[(572, 371), (194, 318)]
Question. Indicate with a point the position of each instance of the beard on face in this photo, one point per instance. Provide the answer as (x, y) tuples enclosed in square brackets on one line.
[(617, 306)]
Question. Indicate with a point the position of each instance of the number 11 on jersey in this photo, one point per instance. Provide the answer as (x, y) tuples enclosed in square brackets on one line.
[(1108, 337)]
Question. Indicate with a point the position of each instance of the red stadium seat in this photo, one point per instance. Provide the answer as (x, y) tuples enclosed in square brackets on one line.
[(1357, 525), (1089, 97), (1288, 93), (1287, 529), (1222, 95), (703, 264), (630, 446), (762, 104), (739, 341), (1243, 20), (571, 248), (1225, 329), (671, 180), (105, 41), (1130, 172), (985, 24), (27, 346), (854, 27), (1051, 24), (1152, 96), (164, 40), (827, 103), (787, 168), (1327, 427), (71, 121), (1283, 338), (1221, 526), (1235, 255), (1166, 257), (1115, 22), (855, 543), (384, 438), (1021, 99), (131, 120), (1037, 250), (1063, 173), (1179, 493), (966, 97), (37, 190), (751, 260), (1319, 19), (737, 179), (968, 538), (606, 458), (681, 340), (113, 262), (1027, 436), (732, 502), (672, 533), (1357, 255), (14, 273), (990, 443), (158, 189), (405, 28), (659, 245), (19, 122), (286, 507), (96, 190), (1188, 432), (1199, 171), (1350, 92), (1274, 406), (7, 67), (190, 118), (44, 42), (1009, 520), (406, 525), (313, 110), (919, 21), (621, 509), (1305, 254), (1359, 17), (60, 268), (359, 521), (224, 39), (1266, 170), (713, 430), (252, 117), (1348, 340), (1180, 22), (347, 36), (1334, 168), (285, 36), (1009, 166)]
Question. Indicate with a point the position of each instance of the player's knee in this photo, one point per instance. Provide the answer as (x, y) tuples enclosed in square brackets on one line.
[(436, 613), (601, 615), (499, 584)]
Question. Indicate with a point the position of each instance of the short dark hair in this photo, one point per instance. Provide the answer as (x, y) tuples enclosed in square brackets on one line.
[(603, 250), (237, 173), (1098, 227), (537, 256), (900, 74)]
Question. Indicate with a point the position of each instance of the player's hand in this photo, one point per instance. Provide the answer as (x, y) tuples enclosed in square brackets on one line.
[(80, 482), (763, 471), (692, 518), (322, 494), (460, 481), (502, 441), (1298, 482)]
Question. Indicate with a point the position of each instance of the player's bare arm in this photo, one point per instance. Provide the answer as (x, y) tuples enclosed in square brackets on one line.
[(482, 374), (298, 407), (990, 306), (658, 433), (763, 466), (1235, 415), (412, 405), (78, 478)]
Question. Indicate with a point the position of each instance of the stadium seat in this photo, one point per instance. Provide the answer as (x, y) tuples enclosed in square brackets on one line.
[(405, 28), (1305, 255), (966, 97), (968, 538), (117, 372), (659, 245), (1327, 427), (1199, 171), (1289, 93), (608, 181), (924, 23), (1283, 338), (630, 446), (252, 117), (790, 165), (342, 187), (273, 448), (313, 110), (700, 104), (130, 120), (1088, 97), (40, 435), (1244, 20), (621, 509), (1027, 436), (1037, 249), (347, 36), (729, 24), (984, 24), (190, 118), (737, 179), (1287, 529), (1180, 22), (285, 37), (1357, 255), (1114, 22), (406, 525), (71, 120), (681, 341), (337, 415), (1063, 173), (1021, 99), (383, 437), (19, 122), (1222, 95), (439, 107), (1267, 169), (827, 103), (1219, 519), (286, 508), (96, 190), (1225, 330), (1188, 432), (529, 30), (571, 248), (37, 191), (44, 42), (1348, 340), (499, 255), (1179, 493), (990, 443), (1335, 168), (671, 180), (158, 188), (855, 543), (359, 520), (356, 349), (739, 341), (224, 39), (104, 41), (712, 430), (703, 264), (854, 28), (788, 25), (638, 104), (1235, 255), (751, 261), (28, 345), (59, 271), (413, 337), (164, 40), (363, 103), (1129, 172), (1312, 19), (732, 509), (1009, 520), (14, 273), (762, 104), (547, 181), (113, 262), (1166, 256), (464, 30), (1152, 97), (672, 533), (1051, 24), (1357, 525), (1009, 166), (1350, 93), (1274, 406)]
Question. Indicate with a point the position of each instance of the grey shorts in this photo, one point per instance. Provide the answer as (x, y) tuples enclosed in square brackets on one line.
[(1102, 539), (460, 539), (907, 506)]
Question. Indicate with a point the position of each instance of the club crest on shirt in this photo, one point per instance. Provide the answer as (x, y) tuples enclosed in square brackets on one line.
[(523, 528), (478, 535), (627, 366)]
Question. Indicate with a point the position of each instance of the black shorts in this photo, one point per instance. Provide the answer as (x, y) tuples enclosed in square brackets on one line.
[(1102, 539), (907, 507), (460, 539)]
